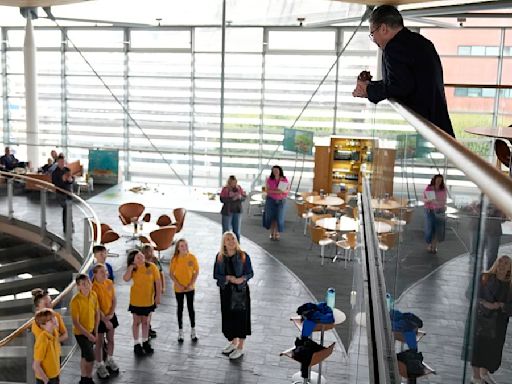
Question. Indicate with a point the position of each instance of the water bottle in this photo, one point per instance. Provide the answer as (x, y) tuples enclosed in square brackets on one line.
[(330, 297), (389, 301)]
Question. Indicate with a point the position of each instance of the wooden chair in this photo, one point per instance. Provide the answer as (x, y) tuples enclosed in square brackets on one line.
[(108, 235), (386, 242), (164, 221), (316, 359), (163, 237), (129, 212), (179, 217), (304, 214), (319, 236), (348, 244), (147, 218)]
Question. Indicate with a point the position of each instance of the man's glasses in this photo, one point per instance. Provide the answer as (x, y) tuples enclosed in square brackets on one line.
[(373, 32)]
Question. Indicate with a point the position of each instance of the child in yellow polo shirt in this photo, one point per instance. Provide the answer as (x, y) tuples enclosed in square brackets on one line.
[(144, 297), (85, 314), (46, 349), (104, 289), (42, 300), (183, 271)]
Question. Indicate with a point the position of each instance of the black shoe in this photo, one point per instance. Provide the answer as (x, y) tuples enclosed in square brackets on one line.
[(147, 348), (152, 333), (138, 350)]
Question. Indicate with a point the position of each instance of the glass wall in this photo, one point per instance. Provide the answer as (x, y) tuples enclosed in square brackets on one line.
[(154, 94)]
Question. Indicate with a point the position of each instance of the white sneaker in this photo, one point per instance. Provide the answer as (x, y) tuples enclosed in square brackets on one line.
[(488, 379), (193, 335), (111, 364), (181, 338), (228, 349), (102, 371), (236, 354)]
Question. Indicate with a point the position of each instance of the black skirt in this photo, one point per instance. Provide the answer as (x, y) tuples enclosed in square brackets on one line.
[(235, 324), (487, 352)]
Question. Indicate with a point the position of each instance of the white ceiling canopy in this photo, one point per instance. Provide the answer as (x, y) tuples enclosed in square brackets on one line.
[(239, 12)]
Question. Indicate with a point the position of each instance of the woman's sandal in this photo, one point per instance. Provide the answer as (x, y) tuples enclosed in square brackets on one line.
[(277, 237), (271, 237)]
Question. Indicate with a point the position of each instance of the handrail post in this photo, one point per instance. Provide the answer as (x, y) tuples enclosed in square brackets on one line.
[(44, 201), (29, 341), (68, 225), (10, 196), (87, 237)]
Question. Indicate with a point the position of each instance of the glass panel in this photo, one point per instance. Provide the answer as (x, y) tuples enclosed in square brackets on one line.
[(160, 39), (44, 38), (96, 38), (432, 252), (302, 40)]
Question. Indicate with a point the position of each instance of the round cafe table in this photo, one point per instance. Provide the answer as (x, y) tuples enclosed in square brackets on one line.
[(497, 133), (146, 229), (501, 133), (387, 204), (345, 224), (325, 201)]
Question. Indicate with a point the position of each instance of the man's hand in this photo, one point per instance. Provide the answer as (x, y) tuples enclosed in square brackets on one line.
[(361, 89)]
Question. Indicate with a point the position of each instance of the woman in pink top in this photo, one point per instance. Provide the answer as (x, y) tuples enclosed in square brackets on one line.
[(434, 197), (277, 191)]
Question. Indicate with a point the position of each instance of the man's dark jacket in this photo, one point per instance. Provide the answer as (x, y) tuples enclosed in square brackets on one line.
[(412, 74)]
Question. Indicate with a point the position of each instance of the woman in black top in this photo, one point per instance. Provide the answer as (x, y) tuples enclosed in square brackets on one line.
[(494, 309), (232, 196)]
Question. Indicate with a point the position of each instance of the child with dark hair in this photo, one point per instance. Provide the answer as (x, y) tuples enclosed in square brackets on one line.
[(86, 317), (144, 297), (100, 255), (46, 363), (42, 300)]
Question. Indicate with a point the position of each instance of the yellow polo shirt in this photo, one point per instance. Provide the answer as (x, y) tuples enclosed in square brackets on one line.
[(183, 268), (83, 309), (47, 351), (105, 292), (142, 292), (60, 321)]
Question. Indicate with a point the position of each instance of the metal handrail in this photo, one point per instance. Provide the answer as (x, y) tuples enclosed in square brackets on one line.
[(85, 266), (491, 181)]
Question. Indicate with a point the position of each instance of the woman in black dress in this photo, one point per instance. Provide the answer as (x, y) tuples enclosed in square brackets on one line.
[(494, 309), (232, 270)]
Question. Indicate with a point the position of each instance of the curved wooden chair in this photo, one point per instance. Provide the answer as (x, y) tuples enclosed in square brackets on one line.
[(164, 221), (386, 242), (162, 238), (109, 237), (320, 237), (129, 212), (147, 218), (502, 152), (179, 217), (348, 244)]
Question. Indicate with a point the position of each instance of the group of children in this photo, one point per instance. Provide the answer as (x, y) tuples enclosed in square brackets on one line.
[(93, 311)]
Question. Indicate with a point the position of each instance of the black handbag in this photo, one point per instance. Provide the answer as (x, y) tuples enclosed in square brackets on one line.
[(486, 320), (238, 297)]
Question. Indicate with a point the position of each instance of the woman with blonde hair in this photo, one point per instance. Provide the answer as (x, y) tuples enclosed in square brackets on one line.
[(232, 196), (183, 271), (233, 270), (493, 311)]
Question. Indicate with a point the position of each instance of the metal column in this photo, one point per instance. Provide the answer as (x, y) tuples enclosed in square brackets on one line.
[(29, 54), (222, 69)]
